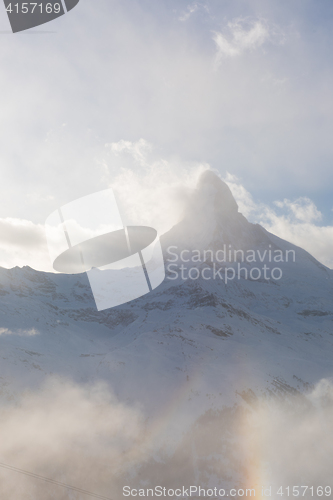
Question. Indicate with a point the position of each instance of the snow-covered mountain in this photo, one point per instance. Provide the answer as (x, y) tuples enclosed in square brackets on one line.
[(191, 344)]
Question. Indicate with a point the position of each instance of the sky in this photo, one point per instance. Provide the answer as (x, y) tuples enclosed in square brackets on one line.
[(142, 96)]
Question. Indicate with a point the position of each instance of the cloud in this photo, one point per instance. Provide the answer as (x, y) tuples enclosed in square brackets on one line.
[(244, 35), (137, 150), (298, 224), (167, 92), (150, 190), (21, 232), (303, 209), (189, 11), (291, 439), (84, 436), (79, 435), (23, 243), (20, 332), (317, 240), (244, 199), (192, 9)]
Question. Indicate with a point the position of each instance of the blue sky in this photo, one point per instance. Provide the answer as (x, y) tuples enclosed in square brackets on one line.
[(243, 86)]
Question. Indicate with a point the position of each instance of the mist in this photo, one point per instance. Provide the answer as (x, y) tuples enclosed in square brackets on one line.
[(82, 435)]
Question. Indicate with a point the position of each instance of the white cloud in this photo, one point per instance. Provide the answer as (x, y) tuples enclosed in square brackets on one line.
[(150, 191), (79, 435), (23, 243), (84, 436), (192, 9), (20, 332), (189, 11), (244, 35), (317, 240), (297, 224), (138, 150), (244, 199), (154, 85), (19, 231), (289, 438), (303, 209)]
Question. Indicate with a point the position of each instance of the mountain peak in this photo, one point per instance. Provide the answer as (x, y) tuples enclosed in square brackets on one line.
[(216, 191), (210, 210)]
